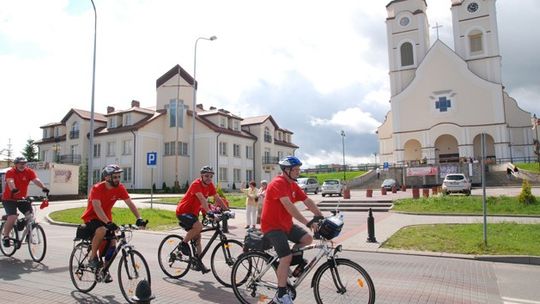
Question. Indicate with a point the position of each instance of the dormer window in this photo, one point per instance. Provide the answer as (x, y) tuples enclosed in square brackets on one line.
[(236, 125), (223, 122), (126, 119), (111, 122)]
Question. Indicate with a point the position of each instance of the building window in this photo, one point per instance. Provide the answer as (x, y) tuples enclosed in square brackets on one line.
[(267, 135), (223, 174), (170, 148), (406, 51), (280, 155), (96, 174), (223, 148), (111, 122), (182, 148), (475, 42), (126, 147), (249, 152), (223, 122), (111, 149), (74, 132), (97, 150), (237, 175), (236, 125), (127, 119), (176, 113), (279, 135), (236, 150), (45, 133), (249, 175), (57, 132), (126, 175), (267, 159)]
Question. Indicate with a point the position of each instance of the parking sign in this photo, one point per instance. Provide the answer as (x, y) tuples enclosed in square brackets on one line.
[(151, 159)]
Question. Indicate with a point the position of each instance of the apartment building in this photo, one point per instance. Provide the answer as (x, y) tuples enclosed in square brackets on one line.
[(239, 149)]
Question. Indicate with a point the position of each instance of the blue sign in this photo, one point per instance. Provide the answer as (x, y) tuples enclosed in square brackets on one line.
[(386, 165), (151, 158)]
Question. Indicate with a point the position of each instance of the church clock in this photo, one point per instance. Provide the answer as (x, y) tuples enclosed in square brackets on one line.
[(472, 7)]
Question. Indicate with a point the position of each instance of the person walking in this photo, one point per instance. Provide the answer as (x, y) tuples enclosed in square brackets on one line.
[(251, 204), (261, 194)]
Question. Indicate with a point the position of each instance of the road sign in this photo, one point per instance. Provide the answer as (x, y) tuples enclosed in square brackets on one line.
[(151, 159)]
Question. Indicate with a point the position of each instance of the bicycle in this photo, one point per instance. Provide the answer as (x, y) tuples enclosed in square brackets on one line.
[(176, 265), (132, 267), (26, 229), (338, 280)]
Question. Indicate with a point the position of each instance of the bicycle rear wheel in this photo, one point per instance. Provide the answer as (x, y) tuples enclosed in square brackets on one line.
[(37, 243), (223, 258), (171, 260), (248, 284), (82, 276), (8, 251), (132, 269), (347, 283)]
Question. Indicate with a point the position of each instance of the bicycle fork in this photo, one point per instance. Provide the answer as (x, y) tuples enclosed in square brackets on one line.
[(341, 289)]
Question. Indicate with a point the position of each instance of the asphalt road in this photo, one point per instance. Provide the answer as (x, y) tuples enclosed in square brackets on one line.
[(398, 278)]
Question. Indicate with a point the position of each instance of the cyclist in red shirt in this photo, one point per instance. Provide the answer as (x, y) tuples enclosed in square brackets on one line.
[(98, 213), (187, 211), (277, 224), (17, 180)]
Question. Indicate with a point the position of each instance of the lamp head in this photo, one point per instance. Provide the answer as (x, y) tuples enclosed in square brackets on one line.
[(213, 38)]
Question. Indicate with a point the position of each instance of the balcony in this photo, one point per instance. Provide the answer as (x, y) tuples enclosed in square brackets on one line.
[(74, 159), (270, 160), (73, 134)]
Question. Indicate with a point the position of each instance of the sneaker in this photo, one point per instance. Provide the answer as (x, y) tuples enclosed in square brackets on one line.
[(184, 248), (94, 263), (5, 242), (285, 299), (198, 265), (107, 278)]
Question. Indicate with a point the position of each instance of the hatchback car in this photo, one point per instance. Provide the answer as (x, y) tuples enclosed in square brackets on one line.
[(308, 184), (389, 183), (456, 183), (332, 186)]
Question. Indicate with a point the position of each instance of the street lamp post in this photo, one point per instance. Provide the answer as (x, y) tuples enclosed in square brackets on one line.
[(89, 171), (194, 111), (343, 146)]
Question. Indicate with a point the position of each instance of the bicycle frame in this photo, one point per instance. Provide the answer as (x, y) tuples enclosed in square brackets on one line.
[(28, 227), (217, 232), (121, 246)]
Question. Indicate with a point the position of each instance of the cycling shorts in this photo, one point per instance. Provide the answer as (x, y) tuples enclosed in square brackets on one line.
[(12, 206), (279, 239), (186, 220), (92, 226)]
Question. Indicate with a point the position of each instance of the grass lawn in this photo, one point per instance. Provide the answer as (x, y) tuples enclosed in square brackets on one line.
[(236, 200), (502, 239), (466, 205), (321, 177), (533, 167), (157, 219)]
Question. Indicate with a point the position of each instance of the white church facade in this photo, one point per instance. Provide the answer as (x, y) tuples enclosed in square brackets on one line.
[(442, 100)]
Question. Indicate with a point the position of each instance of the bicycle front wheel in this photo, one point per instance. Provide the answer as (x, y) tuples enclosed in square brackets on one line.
[(82, 276), (223, 258), (37, 243), (132, 269), (347, 283), (253, 280), (171, 260), (8, 251)]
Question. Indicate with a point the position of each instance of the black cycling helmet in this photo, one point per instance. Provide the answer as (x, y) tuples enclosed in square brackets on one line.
[(289, 162), (110, 170), (207, 169), (20, 159)]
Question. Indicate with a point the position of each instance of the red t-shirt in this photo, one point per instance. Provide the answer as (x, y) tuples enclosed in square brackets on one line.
[(190, 203), (274, 216), (107, 197), (21, 179)]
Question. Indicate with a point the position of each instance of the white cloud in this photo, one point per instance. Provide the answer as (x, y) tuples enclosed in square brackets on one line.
[(351, 119), (310, 160)]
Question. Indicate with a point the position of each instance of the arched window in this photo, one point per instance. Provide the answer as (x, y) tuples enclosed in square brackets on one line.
[(475, 42), (74, 132), (406, 51), (267, 135)]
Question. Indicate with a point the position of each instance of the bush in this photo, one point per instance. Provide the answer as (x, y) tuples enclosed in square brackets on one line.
[(526, 197), (164, 188)]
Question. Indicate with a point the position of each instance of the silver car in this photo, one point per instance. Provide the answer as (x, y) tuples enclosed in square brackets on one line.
[(332, 186), (308, 184), (456, 183)]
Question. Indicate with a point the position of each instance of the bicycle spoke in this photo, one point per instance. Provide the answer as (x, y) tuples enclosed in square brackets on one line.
[(82, 277), (225, 254), (132, 269), (250, 282)]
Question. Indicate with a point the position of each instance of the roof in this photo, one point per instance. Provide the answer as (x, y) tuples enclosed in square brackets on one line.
[(141, 123), (258, 120), (177, 69), (132, 109), (219, 112), (219, 129)]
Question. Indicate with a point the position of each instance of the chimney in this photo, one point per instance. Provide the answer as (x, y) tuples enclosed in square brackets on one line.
[(212, 108), (135, 104), (200, 106), (110, 109)]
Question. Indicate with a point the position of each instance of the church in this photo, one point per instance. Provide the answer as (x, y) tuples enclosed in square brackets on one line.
[(444, 99)]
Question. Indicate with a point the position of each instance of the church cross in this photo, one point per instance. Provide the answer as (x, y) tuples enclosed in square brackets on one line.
[(442, 104), (436, 27)]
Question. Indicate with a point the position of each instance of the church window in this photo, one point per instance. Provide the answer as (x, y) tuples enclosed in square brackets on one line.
[(406, 51), (475, 42)]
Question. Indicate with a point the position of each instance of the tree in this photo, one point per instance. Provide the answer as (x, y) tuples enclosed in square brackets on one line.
[(29, 151), (83, 177)]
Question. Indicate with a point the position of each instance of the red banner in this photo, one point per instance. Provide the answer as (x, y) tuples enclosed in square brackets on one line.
[(422, 171)]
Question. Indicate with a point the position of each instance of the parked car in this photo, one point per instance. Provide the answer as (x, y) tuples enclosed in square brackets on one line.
[(389, 183), (332, 186), (308, 184), (456, 183)]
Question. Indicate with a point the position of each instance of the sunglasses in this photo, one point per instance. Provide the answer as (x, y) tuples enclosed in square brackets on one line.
[(208, 175)]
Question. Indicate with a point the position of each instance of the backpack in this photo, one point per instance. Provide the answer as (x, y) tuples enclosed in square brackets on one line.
[(255, 241)]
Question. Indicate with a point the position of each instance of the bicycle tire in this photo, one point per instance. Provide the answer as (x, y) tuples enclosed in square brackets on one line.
[(358, 285), (225, 254), (171, 261), (37, 243), (247, 266), (82, 276), (8, 251), (134, 267)]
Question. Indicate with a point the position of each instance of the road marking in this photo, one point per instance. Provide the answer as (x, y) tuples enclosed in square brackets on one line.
[(507, 300)]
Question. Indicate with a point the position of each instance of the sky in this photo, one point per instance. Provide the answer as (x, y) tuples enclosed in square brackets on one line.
[(318, 67)]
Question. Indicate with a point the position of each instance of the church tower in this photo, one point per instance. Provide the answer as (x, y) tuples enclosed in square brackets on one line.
[(408, 40), (476, 38)]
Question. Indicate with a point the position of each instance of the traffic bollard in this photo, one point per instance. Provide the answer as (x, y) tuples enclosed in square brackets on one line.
[(371, 228), (143, 293)]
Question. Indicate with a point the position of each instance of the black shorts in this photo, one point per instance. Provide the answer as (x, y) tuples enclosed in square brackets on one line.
[(12, 206), (186, 220), (279, 239), (92, 226)]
